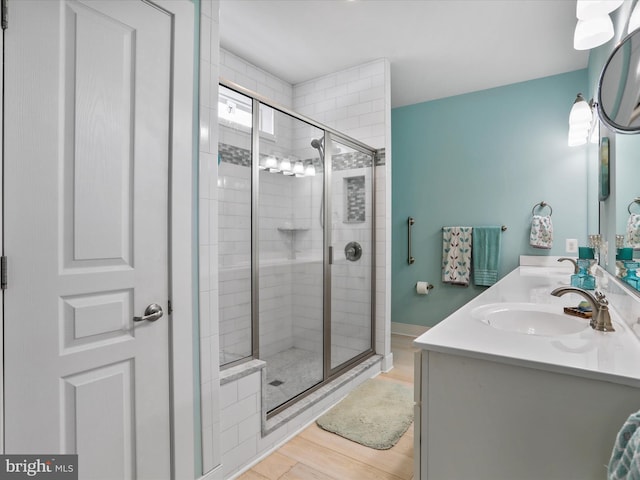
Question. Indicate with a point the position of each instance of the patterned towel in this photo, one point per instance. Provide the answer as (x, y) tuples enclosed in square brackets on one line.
[(625, 457), (633, 230), (456, 255), (541, 232)]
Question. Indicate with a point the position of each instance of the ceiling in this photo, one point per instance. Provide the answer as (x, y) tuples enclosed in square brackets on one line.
[(436, 48)]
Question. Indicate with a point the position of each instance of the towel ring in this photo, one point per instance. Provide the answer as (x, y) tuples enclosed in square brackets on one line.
[(635, 200), (541, 205)]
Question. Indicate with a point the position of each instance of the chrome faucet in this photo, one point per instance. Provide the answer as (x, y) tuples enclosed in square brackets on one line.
[(575, 264), (600, 318)]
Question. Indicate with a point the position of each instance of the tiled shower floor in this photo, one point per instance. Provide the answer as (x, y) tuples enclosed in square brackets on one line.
[(297, 369)]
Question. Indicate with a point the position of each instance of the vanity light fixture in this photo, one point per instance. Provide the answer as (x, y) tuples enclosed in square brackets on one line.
[(285, 166), (593, 32), (298, 169), (310, 171), (579, 121), (271, 164), (594, 23)]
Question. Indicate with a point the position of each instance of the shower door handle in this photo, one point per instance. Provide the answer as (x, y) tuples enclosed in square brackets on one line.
[(152, 313), (330, 255)]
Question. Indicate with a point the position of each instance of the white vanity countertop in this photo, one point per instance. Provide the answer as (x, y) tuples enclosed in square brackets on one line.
[(612, 356)]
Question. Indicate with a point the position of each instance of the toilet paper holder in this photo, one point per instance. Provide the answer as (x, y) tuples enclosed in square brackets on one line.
[(429, 286)]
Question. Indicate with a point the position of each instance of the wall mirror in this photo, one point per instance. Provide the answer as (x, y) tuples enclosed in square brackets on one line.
[(627, 209), (619, 109)]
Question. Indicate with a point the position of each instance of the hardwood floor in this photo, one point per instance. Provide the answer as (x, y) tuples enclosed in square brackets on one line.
[(316, 454)]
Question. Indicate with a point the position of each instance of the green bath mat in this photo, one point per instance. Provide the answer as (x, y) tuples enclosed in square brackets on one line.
[(376, 414)]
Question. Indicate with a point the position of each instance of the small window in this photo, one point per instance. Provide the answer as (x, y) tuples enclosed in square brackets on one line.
[(235, 108)]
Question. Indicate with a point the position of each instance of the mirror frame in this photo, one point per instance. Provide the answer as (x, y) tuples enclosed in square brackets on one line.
[(604, 116)]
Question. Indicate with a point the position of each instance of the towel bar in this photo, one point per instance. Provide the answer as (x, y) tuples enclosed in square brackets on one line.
[(410, 222), (503, 228)]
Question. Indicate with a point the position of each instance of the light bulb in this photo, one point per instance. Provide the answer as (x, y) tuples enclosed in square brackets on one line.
[(298, 169), (285, 166), (310, 171), (580, 112), (271, 164)]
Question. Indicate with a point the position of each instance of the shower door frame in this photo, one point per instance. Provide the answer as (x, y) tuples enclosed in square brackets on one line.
[(330, 134), (329, 137)]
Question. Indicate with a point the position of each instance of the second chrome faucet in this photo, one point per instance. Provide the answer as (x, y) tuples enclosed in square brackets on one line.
[(600, 319)]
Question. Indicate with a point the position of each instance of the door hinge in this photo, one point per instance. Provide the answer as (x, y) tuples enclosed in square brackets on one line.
[(3, 272), (5, 14), (169, 307)]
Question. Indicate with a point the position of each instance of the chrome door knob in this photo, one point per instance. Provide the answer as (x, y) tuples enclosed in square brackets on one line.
[(152, 313)]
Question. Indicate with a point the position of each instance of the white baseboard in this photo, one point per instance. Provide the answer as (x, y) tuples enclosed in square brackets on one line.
[(408, 329)]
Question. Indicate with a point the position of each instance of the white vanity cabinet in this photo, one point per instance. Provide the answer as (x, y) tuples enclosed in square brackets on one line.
[(486, 420), (500, 405)]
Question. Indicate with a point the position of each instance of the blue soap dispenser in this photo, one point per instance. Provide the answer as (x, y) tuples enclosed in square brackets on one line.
[(630, 274), (583, 279)]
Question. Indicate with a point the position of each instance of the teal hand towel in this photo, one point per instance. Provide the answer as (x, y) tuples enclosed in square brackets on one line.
[(486, 255)]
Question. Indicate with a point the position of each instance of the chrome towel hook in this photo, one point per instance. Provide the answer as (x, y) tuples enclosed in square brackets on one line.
[(635, 200)]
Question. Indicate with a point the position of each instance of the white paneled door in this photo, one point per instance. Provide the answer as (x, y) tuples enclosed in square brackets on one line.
[(87, 155)]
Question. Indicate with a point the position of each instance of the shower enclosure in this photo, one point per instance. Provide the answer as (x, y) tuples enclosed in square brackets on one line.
[(296, 251)]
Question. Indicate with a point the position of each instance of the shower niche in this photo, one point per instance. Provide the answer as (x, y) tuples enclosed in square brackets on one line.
[(291, 195)]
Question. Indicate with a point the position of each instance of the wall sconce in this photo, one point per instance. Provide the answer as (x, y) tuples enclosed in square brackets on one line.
[(579, 122), (594, 25)]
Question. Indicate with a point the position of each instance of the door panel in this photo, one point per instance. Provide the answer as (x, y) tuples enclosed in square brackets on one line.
[(352, 242), (86, 164), (99, 401), (99, 98)]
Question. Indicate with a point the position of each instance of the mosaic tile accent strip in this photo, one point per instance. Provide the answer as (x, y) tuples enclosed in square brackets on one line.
[(351, 160), (355, 204), (342, 161), (234, 155)]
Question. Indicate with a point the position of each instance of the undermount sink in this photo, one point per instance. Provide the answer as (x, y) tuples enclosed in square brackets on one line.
[(529, 318)]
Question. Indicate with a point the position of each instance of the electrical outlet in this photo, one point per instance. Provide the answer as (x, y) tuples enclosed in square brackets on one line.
[(571, 245)]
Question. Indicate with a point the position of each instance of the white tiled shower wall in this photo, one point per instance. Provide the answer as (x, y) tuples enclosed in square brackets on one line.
[(356, 102), (284, 284)]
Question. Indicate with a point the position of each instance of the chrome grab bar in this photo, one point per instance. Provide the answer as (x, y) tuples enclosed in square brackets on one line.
[(411, 221)]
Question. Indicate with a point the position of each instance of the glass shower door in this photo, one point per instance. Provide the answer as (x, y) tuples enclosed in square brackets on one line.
[(351, 207), (290, 259)]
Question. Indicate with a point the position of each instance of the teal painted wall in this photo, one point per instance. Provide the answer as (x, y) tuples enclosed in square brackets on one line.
[(484, 158)]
